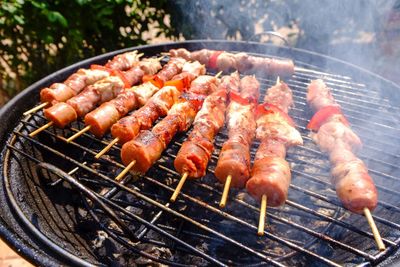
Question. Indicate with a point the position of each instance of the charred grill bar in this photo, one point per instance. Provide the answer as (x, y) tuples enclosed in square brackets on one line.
[(312, 226)]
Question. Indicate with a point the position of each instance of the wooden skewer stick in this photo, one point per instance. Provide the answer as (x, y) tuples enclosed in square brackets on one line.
[(104, 150), (127, 168), (278, 80), (375, 231), (38, 130), (34, 109), (218, 74), (84, 130), (263, 211), (224, 197), (179, 187)]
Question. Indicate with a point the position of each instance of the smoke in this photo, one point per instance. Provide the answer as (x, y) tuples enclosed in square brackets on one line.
[(360, 32)]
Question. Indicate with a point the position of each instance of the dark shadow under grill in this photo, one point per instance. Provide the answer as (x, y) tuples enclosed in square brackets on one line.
[(106, 222)]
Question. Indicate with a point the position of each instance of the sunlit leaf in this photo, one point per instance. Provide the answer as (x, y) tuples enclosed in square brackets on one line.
[(55, 16)]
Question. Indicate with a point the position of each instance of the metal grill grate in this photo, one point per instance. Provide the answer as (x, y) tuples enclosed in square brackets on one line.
[(141, 224)]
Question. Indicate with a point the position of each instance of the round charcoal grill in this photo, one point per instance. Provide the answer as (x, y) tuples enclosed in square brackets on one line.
[(61, 205)]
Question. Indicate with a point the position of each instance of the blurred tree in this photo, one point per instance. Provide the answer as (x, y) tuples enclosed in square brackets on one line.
[(41, 36)]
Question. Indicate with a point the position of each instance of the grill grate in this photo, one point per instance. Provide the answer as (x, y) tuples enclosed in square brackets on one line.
[(141, 223)]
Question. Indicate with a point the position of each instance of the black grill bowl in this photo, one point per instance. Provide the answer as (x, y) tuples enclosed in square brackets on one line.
[(51, 221)]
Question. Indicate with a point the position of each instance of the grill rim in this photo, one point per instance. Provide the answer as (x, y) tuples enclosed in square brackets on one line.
[(11, 113)]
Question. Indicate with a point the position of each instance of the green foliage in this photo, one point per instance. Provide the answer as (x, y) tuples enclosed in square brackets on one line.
[(39, 37)]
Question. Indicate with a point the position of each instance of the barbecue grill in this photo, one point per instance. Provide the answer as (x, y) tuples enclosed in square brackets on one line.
[(62, 206)]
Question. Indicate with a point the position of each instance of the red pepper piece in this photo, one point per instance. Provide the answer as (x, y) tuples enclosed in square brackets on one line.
[(179, 84), (154, 79), (234, 96), (121, 75), (322, 115), (100, 67), (270, 108), (212, 62)]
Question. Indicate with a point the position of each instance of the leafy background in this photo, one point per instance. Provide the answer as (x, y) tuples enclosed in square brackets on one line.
[(39, 37)]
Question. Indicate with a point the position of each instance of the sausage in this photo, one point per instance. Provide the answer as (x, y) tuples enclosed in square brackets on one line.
[(103, 117), (270, 174), (60, 114), (242, 62), (145, 149), (193, 158), (354, 186), (234, 160)]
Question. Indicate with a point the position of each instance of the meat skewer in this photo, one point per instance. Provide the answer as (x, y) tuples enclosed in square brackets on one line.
[(158, 105), (332, 133), (242, 62), (101, 119), (61, 92), (233, 167), (270, 176), (62, 113), (145, 149), (193, 156)]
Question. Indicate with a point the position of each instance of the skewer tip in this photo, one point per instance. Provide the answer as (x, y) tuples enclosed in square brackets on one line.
[(263, 210), (225, 193), (34, 109), (104, 150), (218, 74), (179, 187), (374, 229), (124, 171), (76, 135), (40, 129), (278, 80)]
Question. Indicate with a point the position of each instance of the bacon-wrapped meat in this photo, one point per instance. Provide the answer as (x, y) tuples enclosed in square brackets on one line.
[(97, 93), (81, 104), (61, 92), (173, 67), (234, 159), (123, 61), (128, 127), (102, 118), (196, 151), (270, 174), (157, 106), (354, 186), (242, 62), (147, 147)]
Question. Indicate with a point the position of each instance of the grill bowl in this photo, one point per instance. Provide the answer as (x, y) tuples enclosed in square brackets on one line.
[(36, 213)]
